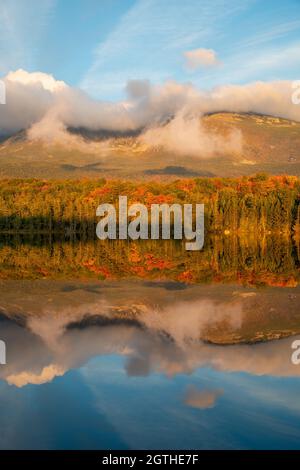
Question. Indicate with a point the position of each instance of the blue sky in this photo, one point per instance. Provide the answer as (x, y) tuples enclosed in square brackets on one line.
[(99, 44)]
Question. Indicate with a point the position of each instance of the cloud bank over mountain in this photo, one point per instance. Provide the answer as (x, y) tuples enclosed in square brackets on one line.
[(167, 114)]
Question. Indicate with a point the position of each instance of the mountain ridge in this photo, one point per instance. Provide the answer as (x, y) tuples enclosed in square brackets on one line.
[(269, 144)]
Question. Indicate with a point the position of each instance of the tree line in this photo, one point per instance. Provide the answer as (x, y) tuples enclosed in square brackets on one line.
[(257, 204)]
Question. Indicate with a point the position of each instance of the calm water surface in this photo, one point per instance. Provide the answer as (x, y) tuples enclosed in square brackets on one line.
[(148, 363)]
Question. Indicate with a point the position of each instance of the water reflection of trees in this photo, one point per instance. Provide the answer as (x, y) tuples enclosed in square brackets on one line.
[(270, 260)]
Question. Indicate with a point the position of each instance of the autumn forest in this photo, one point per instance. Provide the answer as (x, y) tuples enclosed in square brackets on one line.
[(258, 204)]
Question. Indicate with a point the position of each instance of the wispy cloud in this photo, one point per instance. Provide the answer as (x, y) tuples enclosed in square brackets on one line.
[(150, 39), (250, 64), (22, 25), (276, 31)]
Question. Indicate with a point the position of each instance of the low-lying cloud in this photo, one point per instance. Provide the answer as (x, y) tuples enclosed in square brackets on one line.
[(185, 135), (168, 115)]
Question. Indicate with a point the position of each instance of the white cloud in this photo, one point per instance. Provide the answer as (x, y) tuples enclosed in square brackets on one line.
[(185, 135), (45, 80), (169, 114), (201, 58)]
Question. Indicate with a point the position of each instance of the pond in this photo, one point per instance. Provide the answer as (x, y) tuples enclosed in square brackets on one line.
[(193, 352)]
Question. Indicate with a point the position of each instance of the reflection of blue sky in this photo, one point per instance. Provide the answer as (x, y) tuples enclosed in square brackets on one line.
[(99, 406), (57, 415), (253, 412)]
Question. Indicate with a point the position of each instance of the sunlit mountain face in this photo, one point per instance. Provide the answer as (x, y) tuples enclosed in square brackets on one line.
[(228, 144)]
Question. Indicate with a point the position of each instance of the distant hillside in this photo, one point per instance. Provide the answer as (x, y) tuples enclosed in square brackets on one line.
[(270, 145)]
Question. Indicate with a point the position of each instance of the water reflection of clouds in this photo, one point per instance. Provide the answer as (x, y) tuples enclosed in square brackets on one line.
[(202, 399), (165, 339), (115, 374)]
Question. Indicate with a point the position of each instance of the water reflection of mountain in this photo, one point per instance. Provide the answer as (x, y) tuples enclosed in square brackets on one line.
[(266, 260), (52, 327)]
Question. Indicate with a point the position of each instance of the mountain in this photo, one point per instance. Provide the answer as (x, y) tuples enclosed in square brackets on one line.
[(269, 144)]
